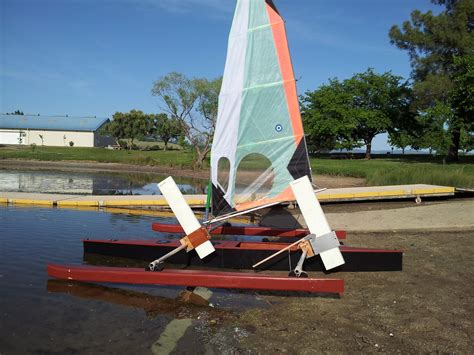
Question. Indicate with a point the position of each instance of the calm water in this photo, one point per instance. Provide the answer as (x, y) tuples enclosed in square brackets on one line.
[(38, 315), (91, 183)]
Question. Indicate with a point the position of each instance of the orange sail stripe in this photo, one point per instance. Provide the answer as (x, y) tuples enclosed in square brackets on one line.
[(283, 53)]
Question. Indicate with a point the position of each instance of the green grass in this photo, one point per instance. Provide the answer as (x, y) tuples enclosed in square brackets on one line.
[(399, 171), (378, 171), (171, 158)]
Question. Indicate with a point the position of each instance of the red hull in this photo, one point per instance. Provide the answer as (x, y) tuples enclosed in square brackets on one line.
[(241, 255), (245, 230), (201, 278)]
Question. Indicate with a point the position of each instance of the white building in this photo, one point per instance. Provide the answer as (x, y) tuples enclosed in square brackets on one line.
[(53, 131)]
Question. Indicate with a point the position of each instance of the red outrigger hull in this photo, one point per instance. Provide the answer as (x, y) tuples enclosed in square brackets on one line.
[(245, 230), (201, 278)]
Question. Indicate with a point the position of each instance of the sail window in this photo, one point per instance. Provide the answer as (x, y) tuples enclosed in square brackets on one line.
[(254, 178), (223, 169)]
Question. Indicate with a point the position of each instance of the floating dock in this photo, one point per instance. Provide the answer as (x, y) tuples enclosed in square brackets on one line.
[(418, 191)]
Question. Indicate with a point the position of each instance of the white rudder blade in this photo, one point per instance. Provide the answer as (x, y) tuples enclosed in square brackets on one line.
[(183, 213), (315, 219)]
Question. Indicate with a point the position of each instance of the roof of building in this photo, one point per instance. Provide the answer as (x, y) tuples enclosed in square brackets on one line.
[(54, 123)]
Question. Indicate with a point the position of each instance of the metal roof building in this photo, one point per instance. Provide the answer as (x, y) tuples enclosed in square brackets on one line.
[(55, 123), (52, 130)]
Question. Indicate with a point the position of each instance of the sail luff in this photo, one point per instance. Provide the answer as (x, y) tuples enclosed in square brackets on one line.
[(230, 97)]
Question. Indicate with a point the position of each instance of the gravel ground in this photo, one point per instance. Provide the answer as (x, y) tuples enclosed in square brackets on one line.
[(426, 308)]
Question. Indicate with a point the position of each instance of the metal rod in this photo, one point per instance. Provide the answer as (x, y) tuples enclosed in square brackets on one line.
[(214, 227), (235, 214), (279, 252), (166, 256)]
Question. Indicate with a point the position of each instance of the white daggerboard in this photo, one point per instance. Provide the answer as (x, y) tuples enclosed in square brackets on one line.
[(315, 219), (183, 213)]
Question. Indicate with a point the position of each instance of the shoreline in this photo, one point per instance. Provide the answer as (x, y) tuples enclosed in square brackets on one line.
[(92, 166), (324, 181)]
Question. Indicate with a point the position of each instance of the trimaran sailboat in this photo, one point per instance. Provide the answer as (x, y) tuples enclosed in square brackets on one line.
[(259, 158)]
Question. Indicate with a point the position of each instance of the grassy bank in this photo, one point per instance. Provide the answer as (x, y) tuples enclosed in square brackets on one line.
[(172, 158), (399, 171), (379, 171)]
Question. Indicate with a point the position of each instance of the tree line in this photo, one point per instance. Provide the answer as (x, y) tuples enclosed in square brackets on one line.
[(189, 115), (432, 110)]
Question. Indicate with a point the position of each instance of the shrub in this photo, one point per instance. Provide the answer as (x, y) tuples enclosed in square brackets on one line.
[(123, 144), (33, 147), (71, 143)]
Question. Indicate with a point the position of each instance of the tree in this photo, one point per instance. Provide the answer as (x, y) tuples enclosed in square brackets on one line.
[(193, 104), (16, 112), (166, 128), (434, 133), (462, 99), (400, 139), (351, 113), (434, 42), (129, 125), (378, 103), (326, 118), (467, 141)]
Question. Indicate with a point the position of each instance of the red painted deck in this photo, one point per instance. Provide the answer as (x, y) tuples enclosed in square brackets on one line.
[(201, 278), (245, 230)]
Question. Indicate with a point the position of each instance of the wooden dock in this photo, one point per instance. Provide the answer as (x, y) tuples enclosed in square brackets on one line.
[(417, 191)]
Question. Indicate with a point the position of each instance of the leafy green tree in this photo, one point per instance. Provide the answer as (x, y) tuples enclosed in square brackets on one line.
[(434, 133), (16, 112), (166, 128), (378, 103), (462, 99), (193, 104), (434, 43), (129, 125), (351, 113), (326, 118), (400, 139), (467, 141)]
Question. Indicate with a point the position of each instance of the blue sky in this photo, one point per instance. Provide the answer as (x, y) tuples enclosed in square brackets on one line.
[(96, 57)]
